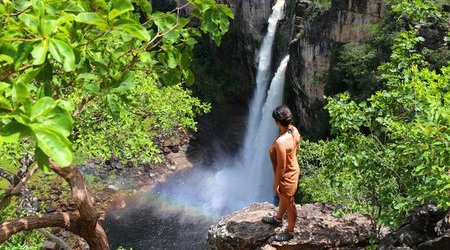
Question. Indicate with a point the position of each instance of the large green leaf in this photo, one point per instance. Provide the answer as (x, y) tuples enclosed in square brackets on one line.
[(39, 52), (13, 131), (42, 160), (145, 5), (113, 105), (23, 51), (53, 144), (92, 18), (42, 107), (119, 7), (62, 53), (48, 26), (59, 119), (20, 92), (31, 22), (132, 28)]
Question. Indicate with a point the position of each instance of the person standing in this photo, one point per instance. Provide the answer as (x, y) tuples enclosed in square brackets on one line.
[(283, 154)]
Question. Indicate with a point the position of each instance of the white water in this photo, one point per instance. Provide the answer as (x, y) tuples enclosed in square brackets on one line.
[(257, 161), (248, 177)]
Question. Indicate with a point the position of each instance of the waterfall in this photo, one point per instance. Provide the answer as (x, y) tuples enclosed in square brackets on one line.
[(258, 161), (248, 178), (262, 75), (236, 182)]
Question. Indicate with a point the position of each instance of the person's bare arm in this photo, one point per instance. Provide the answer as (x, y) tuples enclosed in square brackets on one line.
[(280, 149)]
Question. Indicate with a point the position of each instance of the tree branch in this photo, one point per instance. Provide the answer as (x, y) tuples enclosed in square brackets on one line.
[(14, 190), (81, 105), (58, 219), (87, 227)]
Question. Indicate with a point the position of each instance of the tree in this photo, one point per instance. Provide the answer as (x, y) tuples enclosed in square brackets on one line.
[(52, 49), (392, 150)]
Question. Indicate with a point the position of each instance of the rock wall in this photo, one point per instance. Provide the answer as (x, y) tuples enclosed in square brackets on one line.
[(316, 33), (308, 34)]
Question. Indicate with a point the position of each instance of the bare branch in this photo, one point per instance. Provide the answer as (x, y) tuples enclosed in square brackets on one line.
[(58, 219), (15, 190)]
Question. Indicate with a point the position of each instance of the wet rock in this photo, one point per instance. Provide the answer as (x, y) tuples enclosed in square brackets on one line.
[(315, 228), (418, 228)]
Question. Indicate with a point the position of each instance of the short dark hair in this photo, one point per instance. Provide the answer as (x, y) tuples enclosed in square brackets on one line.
[(283, 115)]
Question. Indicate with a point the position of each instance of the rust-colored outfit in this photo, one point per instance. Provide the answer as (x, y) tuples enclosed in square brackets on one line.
[(290, 172)]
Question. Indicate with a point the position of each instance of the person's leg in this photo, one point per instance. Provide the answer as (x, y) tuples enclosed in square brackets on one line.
[(283, 206), (287, 203), (292, 214)]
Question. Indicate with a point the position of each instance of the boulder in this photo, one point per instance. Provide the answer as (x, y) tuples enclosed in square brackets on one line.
[(316, 228), (419, 228)]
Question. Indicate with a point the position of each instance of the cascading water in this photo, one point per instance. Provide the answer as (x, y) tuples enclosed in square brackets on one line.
[(242, 182), (177, 213), (263, 73), (258, 162)]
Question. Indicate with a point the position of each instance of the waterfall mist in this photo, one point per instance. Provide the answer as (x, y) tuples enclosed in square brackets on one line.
[(247, 177), (183, 207)]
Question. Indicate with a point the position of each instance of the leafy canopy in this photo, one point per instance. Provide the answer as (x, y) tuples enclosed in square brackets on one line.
[(50, 50)]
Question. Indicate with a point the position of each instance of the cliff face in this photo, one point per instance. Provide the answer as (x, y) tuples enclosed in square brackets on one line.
[(316, 33), (309, 35)]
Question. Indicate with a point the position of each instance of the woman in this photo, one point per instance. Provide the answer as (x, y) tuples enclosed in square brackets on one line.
[(283, 154)]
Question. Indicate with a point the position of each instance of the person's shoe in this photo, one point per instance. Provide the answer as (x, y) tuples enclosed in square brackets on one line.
[(272, 221), (284, 236)]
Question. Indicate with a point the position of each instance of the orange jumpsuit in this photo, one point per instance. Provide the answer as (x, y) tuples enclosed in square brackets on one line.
[(290, 172)]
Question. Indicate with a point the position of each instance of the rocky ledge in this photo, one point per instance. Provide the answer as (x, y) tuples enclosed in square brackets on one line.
[(316, 228)]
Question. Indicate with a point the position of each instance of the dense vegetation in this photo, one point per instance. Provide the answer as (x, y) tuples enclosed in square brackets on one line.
[(390, 149), (82, 79)]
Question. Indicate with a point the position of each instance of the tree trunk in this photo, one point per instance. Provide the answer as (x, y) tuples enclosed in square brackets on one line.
[(83, 223), (87, 226)]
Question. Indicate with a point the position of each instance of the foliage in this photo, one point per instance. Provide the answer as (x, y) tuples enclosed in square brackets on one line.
[(20, 241), (355, 69), (391, 152), (50, 50), (76, 74), (155, 110), (24, 241)]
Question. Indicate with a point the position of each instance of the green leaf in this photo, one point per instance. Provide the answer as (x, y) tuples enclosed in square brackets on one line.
[(60, 120), (113, 106), (65, 18), (42, 160), (30, 21), (39, 52), (132, 28), (20, 92), (119, 7), (92, 18), (171, 60), (126, 82), (42, 107), (53, 144), (4, 86), (92, 88), (48, 26), (22, 53), (145, 5), (13, 131), (62, 53), (188, 77)]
